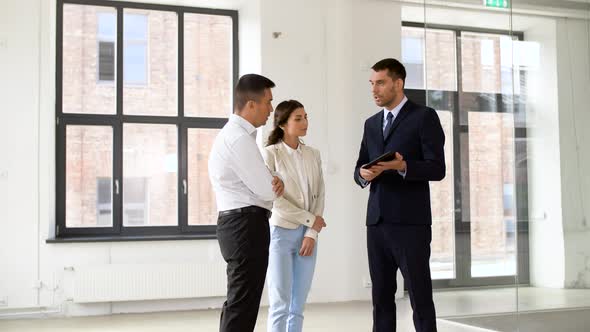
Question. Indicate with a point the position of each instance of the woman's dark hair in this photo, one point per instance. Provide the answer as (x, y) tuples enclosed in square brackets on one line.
[(282, 113)]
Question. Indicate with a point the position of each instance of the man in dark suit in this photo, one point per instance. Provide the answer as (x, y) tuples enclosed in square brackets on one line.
[(398, 213)]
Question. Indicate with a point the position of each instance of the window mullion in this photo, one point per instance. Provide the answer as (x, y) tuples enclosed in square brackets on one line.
[(118, 129), (182, 133)]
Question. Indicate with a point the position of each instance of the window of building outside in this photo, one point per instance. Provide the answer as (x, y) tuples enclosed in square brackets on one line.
[(135, 123)]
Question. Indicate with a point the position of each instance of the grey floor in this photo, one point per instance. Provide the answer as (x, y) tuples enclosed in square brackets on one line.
[(552, 321), (459, 311), (337, 317)]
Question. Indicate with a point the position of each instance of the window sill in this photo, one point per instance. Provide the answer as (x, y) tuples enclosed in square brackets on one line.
[(129, 238)]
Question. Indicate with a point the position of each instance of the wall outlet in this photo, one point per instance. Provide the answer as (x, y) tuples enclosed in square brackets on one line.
[(3, 301), (367, 283)]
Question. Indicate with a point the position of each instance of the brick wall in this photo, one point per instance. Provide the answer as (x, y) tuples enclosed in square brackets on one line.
[(149, 150)]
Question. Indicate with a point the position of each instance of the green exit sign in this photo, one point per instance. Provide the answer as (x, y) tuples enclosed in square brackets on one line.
[(497, 3)]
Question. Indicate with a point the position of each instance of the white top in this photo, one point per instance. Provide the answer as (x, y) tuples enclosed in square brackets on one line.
[(296, 156), (394, 111), (236, 169)]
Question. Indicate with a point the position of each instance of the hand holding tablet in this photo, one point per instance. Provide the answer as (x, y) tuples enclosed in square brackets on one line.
[(388, 156)]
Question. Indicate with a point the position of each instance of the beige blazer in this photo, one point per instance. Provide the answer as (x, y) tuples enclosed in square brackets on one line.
[(288, 210)]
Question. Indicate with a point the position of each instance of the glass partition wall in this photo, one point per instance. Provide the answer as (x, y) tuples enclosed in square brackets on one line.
[(509, 81)]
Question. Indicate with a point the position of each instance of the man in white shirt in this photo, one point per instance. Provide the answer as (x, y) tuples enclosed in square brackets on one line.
[(244, 190)]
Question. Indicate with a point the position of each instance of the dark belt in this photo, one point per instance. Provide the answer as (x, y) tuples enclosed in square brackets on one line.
[(247, 209)]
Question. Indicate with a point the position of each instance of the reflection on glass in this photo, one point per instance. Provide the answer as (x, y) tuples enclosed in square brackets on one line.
[(207, 65), (202, 209), (442, 260), (413, 57), (150, 196), (486, 63), (492, 194), (440, 72), (89, 173)]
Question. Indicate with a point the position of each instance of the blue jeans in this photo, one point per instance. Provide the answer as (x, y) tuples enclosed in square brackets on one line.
[(289, 279)]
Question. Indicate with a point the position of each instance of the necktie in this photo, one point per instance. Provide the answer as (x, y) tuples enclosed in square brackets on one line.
[(388, 124)]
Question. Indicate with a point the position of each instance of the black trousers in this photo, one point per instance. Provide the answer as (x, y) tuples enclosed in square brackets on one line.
[(407, 247), (244, 238)]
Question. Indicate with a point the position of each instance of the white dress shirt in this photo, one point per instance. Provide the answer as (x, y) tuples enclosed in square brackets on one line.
[(236, 169), (296, 156), (394, 111)]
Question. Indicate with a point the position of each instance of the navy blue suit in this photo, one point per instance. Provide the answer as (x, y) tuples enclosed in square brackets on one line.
[(399, 216)]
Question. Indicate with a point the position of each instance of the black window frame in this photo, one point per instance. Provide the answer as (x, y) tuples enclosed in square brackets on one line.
[(452, 101), (117, 232)]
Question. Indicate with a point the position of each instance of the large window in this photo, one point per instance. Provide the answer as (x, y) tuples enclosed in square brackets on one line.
[(135, 123), (480, 208)]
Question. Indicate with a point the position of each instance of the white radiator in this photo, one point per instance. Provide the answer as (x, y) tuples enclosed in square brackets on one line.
[(131, 282)]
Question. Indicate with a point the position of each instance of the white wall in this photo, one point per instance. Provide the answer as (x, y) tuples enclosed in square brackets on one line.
[(249, 36), (322, 58), (19, 150), (574, 118)]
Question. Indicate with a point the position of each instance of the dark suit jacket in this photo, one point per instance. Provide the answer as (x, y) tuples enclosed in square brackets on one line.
[(417, 135)]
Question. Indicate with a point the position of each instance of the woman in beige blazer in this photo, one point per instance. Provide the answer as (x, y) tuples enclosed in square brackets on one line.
[(296, 217)]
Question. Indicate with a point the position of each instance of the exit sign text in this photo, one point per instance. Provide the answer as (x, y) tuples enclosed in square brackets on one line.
[(497, 3)]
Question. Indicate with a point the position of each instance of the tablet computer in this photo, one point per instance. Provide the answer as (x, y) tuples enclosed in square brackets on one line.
[(384, 157)]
